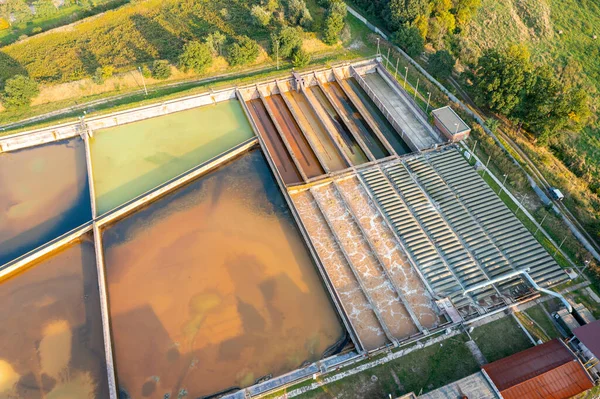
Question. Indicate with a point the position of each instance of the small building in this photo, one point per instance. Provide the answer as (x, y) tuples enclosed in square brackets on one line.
[(450, 124), (548, 371), (589, 343)]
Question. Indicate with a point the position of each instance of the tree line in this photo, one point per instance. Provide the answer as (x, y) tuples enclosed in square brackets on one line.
[(156, 36)]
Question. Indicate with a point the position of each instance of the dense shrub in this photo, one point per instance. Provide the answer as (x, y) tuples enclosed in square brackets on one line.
[(243, 52), (196, 56), (19, 91), (441, 63), (335, 21), (161, 69), (288, 39), (261, 15), (410, 40), (300, 58)]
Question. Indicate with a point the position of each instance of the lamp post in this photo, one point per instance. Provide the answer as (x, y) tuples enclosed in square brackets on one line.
[(416, 89), (502, 186), (428, 99), (377, 47), (143, 80), (396, 72), (405, 75)]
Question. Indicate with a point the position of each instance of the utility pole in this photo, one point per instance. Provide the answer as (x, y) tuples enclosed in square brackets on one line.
[(396, 73), (277, 55), (428, 99), (387, 60), (486, 165), (143, 80), (405, 75), (416, 89), (502, 186)]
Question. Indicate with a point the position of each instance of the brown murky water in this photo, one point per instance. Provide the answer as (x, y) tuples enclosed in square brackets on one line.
[(51, 343), (309, 121), (374, 280), (44, 193), (300, 146), (353, 299), (212, 287), (393, 258), (282, 159)]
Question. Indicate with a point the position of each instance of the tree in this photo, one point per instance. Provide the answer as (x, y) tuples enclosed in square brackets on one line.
[(410, 40), (334, 22), (441, 63), (44, 8), (439, 26), (215, 41), (161, 69), (195, 56), (549, 106), (16, 9), (288, 39), (400, 12), (298, 13), (300, 58), (262, 17), (464, 11), (19, 91), (243, 52), (499, 78), (103, 73)]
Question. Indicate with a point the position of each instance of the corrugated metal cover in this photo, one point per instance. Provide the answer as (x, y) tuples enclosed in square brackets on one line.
[(549, 370), (589, 335)]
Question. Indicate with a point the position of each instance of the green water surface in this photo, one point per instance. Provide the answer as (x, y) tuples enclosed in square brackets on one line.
[(131, 159)]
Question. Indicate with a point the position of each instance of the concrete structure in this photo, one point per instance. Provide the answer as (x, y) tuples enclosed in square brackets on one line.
[(475, 386), (447, 121)]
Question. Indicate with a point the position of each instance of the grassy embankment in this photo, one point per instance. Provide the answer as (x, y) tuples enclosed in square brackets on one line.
[(137, 34)]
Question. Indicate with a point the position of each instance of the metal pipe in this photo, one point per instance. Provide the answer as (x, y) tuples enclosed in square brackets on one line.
[(529, 278)]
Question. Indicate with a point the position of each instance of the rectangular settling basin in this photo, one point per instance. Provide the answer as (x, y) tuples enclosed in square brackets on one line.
[(51, 342), (212, 288), (44, 193), (131, 159)]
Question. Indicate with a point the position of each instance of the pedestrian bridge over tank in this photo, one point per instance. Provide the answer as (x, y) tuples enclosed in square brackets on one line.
[(403, 231)]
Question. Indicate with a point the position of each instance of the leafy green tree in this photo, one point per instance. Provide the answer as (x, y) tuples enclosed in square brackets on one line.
[(440, 26), (19, 91), (298, 13), (410, 40), (334, 22), (262, 16), (464, 11), (300, 58), (288, 39), (195, 56), (400, 12), (161, 69), (44, 8), (17, 9), (103, 73), (215, 41), (499, 79), (245, 51), (441, 63), (549, 106)]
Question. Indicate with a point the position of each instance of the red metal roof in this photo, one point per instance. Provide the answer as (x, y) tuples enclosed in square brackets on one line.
[(547, 371), (589, 335)]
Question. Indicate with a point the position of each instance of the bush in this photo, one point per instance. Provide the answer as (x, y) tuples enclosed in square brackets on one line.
[(19, 91), (103, 73), (288, 39), (334, 22), (441, 64), (36, 30), (146, 72), (196, 56), (161, 69), (261, 16), (298, 13), (300, 58), (245, 51), (410, 40)]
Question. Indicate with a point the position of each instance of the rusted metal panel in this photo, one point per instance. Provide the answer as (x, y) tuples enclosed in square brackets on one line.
[(549, 370)]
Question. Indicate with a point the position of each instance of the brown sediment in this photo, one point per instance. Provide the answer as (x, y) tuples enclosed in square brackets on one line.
[(212, 287), (353, 299), (342, 135), (354, 117), (41, 191), (391, 254), (300, 146), (392, 311), (309, 121), (283, 160), (51, 342)]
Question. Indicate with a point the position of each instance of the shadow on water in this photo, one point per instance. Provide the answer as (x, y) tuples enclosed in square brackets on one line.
[(229, 305), (165, 43), (66, 219)]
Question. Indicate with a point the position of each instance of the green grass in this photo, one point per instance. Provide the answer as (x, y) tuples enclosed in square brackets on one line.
[(500, 338), (581, 296), (423, 370), (537, 314), (63, 16)]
